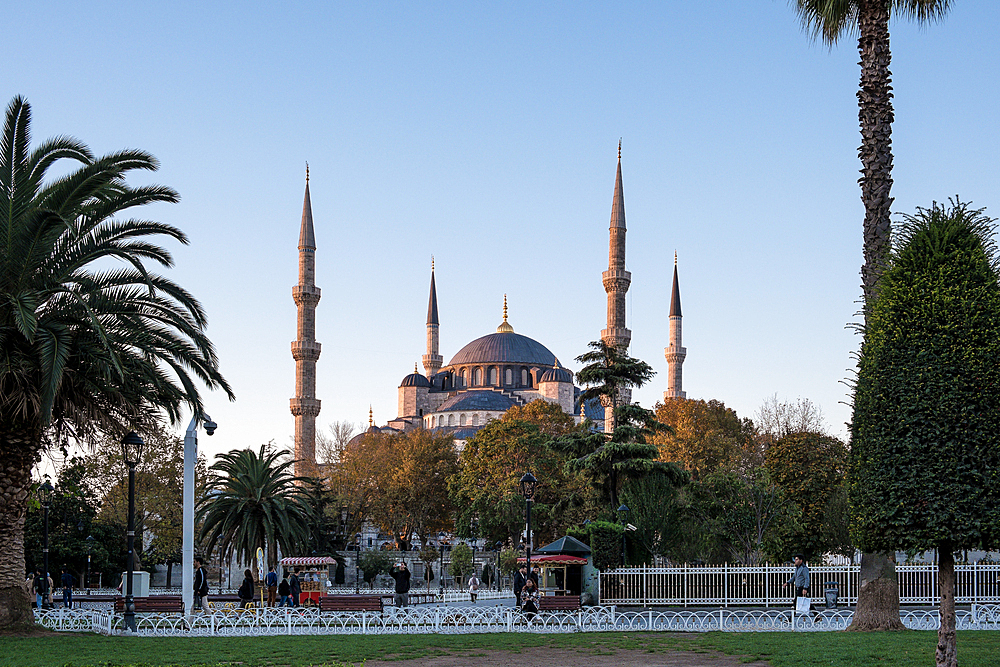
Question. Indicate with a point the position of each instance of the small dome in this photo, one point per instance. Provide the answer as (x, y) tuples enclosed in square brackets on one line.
[(556, 375), (415, 380)]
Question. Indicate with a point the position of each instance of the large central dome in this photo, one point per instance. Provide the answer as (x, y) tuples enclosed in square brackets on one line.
[(504, 347)]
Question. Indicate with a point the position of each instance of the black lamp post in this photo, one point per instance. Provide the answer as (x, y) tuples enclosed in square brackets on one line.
[(528, 486), (498, 546), (132, 453), (45, 498), (441, 565), (623, 516), (90, 548), (357, 580)]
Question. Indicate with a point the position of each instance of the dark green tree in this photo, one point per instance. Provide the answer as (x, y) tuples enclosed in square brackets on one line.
[(373, 562), (607, 459), (924, 459), (461, 563), (91, 341), (254, 501), (878, 597)]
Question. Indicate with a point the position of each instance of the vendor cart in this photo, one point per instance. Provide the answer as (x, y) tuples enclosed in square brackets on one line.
[(561, 573), (314, 576)]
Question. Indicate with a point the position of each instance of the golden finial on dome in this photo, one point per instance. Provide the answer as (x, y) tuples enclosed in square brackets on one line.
[(371, 418), (505, 326), (556, 365), (307, 172), (414, 367)]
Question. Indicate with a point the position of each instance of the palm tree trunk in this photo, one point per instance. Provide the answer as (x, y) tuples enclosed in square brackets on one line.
[(875, 117), (878, 595), (946, 654), (18, 449)]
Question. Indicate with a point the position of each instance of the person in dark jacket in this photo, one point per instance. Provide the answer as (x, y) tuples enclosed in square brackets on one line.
[(285, 592), (295, 586), (520, 577), (401, 575), (67, 586), (200, 585), (271, 581), (246, 589), (41, 589)]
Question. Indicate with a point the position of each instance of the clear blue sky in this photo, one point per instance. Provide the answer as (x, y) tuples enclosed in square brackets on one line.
[(486, 134)]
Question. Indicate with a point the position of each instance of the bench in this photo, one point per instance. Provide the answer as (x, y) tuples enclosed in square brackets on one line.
[(157, 604), (78, 600), (350, 603), (389, 599), (559, 603)]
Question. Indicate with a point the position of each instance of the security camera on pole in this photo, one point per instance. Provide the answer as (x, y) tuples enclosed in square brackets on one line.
[(190, 457)]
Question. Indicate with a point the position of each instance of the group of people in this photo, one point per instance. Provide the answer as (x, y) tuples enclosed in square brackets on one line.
[(526, 590), (42, 587), (283, 593)]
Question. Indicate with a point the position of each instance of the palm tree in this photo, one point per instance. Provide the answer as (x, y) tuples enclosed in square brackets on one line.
[(878, 598), (252, 501), (86, 347)]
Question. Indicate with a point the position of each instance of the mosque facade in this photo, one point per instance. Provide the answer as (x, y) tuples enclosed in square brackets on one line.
[(491, 374)]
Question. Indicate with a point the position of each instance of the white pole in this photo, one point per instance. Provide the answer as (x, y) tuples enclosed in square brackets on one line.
[(187, 555)]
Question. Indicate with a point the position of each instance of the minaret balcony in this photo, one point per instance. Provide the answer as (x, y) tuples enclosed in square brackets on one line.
[(306, 295), (304, 407), (305, 350), (616, 281), (619, 338)]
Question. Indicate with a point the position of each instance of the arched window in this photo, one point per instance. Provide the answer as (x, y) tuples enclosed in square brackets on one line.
[(451, 420), (508, 377), (475, 420), (493, 376), (461, 420), (464, 378), (477, 376), (524, 377)]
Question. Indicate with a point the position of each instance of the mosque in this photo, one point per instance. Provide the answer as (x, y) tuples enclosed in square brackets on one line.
[(489, 375)]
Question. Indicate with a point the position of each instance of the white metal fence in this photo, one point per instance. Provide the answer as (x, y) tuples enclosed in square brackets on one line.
[(736, 585)]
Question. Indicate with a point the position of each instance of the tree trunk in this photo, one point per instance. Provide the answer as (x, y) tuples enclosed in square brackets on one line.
[(18, 452), (947, 646), (875, 117), (878, 595)]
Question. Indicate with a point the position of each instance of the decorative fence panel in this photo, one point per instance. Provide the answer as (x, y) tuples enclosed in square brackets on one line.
[(493, 619), (734, 585)]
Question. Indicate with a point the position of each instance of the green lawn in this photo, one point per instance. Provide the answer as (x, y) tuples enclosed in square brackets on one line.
[(904, 649)]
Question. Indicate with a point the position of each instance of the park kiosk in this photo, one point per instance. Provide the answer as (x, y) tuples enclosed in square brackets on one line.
[(564, 565), (314, 575)]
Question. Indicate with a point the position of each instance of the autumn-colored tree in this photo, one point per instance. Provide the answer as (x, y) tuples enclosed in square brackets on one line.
[(548, 417), (704, 437), (398, 482)]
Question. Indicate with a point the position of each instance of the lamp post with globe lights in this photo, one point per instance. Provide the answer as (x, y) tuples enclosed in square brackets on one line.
[(528, 486)]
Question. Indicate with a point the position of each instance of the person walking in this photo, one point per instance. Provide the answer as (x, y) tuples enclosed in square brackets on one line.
[(285, 592), (245, 591), (200, 586), (271, 581), (40, 587), (401, 575), (67, 588), (474, 585), (295, 587), (800, 579)]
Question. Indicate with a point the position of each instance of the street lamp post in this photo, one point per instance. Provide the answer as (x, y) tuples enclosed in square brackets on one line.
[(441, 565), (187, 533), (90, 548), (498, 545), (623, 516), (528, 486), (45, 498), (132, 453), (357, 580)]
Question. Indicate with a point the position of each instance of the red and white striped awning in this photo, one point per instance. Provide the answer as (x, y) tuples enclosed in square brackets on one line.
[(555, 559), (309, 560)]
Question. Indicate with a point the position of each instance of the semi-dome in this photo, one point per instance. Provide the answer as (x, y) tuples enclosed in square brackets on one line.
[(477, 400), (556, 375), (504, 347), (415, 380)]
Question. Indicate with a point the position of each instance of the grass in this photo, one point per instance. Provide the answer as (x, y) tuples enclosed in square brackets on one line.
[(903, 649)]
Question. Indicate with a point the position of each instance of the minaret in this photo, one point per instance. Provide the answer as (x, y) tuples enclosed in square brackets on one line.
[(616, 284), (675, 353), (305, 349), (432, 360)]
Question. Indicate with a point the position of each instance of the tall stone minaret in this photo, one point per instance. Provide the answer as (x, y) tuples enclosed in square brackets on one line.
[(616, 283), (305, 349), (432, 360), (675, 352)]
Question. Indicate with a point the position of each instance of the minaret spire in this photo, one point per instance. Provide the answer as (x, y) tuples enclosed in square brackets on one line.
[(305, 349), (675, 352), (616, 283), (432, 360)]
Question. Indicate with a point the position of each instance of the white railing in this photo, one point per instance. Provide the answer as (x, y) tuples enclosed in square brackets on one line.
[(737, 585), (492, 619)]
